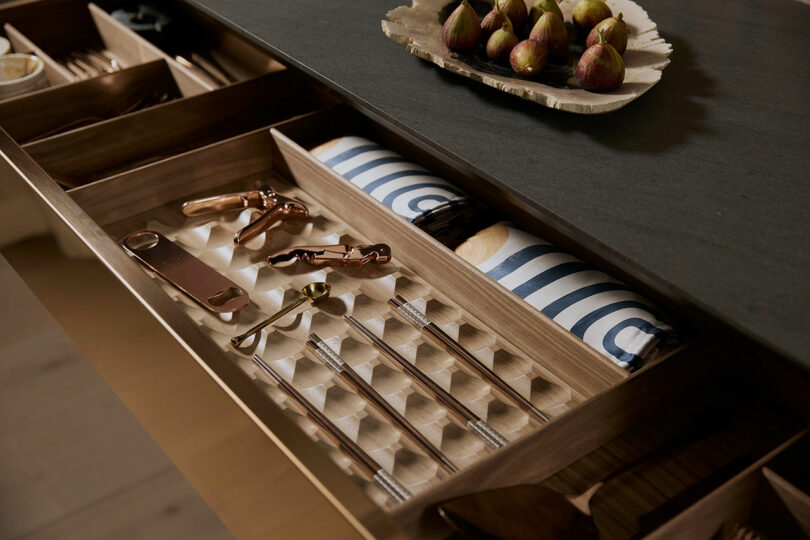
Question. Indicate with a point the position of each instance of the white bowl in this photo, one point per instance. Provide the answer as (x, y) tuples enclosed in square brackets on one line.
[(5, 46), (21, 73)]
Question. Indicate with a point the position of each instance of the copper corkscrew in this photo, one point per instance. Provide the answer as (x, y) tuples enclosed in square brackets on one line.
[(275, 207), (337, 255)]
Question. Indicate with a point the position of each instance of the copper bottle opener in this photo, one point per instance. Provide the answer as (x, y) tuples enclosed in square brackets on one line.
[(337, 255), (275, 207), (208, 287)]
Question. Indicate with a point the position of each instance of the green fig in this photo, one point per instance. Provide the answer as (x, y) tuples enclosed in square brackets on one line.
[(462, 30), (516, 11), (492, 22), (541, 6), (501, 43), (589, 13), (601, 68), (551, 30), (528, 57), (615, 30)]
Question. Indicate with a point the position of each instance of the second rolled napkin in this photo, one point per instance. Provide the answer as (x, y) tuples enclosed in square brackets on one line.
[(600, 310), (411, 191)]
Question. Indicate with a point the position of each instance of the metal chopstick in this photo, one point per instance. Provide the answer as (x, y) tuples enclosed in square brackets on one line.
[(376, 473), (420, 321), (472, 421), (347, 373)]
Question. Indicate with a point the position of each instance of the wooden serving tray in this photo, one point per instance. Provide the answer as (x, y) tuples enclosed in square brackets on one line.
[(418, 28), (133, 171)]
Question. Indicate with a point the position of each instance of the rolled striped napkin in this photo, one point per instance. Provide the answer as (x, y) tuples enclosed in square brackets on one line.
[(600, 310), (429, 202)]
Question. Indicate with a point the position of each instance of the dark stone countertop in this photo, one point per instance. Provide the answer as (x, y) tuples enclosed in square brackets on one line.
[(702, 184)]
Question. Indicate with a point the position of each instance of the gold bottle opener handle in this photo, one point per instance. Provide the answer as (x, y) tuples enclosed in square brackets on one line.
[(208, 287)]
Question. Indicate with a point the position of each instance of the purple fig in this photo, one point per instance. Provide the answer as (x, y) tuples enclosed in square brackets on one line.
[(601, 68), (551, 30), (615, 30), (515, 10), (541, 6), (492, 22), (501, 43), (589, 13), (462, 30), (528, 57)]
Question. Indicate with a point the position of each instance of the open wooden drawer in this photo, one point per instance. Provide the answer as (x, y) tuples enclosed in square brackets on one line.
[(258, 131), (220, 57)]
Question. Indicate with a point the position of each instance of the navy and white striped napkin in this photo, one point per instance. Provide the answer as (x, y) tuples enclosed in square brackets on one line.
[(600, 310), (411, 191)]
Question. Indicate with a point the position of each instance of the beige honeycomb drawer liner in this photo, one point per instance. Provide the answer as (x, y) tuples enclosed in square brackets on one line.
[(362, 293)]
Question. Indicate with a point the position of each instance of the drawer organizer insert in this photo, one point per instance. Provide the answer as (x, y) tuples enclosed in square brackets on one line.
[(150, 197), (133, 171), (586, 412)]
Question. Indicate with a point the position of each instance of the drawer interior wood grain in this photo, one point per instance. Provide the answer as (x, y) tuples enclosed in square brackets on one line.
[(56, 110), (756, 501), (87, 154)]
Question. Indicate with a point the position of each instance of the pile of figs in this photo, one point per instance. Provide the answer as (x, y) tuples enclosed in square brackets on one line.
[(599, 69)]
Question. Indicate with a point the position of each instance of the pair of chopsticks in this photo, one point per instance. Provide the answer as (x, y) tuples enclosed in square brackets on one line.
[(360, 457), (366, 463), (430, 329), (454, 406), (347, 373)]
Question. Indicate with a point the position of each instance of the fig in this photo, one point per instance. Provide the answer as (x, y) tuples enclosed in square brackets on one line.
[(615, 30), (551, 30), (541, 6), (492, 22), (589, 13), (462, 30), (516, 11), (501, 42), (601, 68), (528, 57)]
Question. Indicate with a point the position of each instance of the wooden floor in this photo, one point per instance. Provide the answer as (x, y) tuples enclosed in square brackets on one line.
[(74, 462), (209, 439)]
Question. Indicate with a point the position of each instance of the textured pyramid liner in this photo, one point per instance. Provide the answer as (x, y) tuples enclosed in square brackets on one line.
[(362, 293)]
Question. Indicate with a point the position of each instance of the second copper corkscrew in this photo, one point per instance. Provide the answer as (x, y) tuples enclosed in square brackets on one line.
[(274, 206)]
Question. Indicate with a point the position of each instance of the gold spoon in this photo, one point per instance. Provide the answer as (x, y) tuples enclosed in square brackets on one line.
[(314, 292)]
